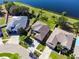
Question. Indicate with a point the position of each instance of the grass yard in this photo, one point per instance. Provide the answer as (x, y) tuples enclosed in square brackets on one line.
[(2, 21), (50, 21), (40, 47), (5, 35), (54, 55), (23, 45), (10, 55)]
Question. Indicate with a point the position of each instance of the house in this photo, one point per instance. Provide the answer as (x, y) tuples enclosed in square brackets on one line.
[(16, 23), (58, 35), (40, 30)]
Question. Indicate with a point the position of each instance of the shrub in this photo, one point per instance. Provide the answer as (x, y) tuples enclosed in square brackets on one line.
[(23, 45), (58, 47), (8, 6), (41, 47), (29, 40), (36, 53), (22, 31), (65, 51), (19, 11)]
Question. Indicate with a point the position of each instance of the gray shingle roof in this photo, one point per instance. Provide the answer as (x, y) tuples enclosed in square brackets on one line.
[(61, 36)]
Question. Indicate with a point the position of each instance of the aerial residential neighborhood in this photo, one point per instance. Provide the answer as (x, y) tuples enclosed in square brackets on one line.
[(28, 32)]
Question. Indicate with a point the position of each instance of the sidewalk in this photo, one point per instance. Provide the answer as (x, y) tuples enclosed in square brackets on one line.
[(33, 48), (13, 40), (46, 53), (1, 41)]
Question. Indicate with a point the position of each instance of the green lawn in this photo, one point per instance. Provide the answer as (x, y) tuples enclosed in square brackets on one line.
[(55, 55), (10, 55), (47, 13), (23, 45), (2, 21), (5, 35), (40, 47), (50, 21)]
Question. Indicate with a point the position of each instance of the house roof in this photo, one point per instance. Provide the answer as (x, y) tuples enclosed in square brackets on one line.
[(61, 36), (17, 22), (42, 29)]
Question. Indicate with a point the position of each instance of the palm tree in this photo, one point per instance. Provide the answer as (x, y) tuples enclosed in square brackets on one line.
[(62, 20), (59, 47), (71, 56)]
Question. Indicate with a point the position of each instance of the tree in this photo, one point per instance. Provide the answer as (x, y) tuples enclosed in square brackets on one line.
[(19, 11), (64, 51), (44, 18), (76, 27), (22, 31), (58, 47), (71, 57), (8, 6), (62, 20)]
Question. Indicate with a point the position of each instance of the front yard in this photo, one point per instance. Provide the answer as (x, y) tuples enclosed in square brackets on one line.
[(2, 21), (5, 34), (55, 55), (40, 47), (9, 55)]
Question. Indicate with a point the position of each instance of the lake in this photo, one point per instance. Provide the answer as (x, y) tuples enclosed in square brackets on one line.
[(70, 6)]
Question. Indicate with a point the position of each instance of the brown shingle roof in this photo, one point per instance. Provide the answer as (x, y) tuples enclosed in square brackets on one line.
[(42, 29)]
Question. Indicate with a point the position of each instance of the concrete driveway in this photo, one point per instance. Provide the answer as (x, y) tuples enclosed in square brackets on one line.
[(1, 41), (13, 48), (46, 53), (13, 40)]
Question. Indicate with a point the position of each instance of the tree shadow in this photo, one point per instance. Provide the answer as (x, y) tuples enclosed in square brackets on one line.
[(67, 28)]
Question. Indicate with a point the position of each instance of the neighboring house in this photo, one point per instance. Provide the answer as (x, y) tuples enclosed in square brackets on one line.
[(17, 22), (40, 30), (58, 35)]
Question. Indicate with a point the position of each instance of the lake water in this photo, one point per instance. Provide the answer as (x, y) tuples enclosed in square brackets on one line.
[(70, 6)]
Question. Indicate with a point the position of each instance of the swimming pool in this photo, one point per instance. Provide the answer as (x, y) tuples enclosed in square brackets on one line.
[(77, 41)]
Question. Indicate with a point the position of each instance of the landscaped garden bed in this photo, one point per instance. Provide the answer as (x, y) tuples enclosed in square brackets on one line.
[(36, 53), (2, 21), (5, 34), (10, 55), (23, 45)]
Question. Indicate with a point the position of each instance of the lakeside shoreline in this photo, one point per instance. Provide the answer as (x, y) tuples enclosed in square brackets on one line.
[(47, 11)]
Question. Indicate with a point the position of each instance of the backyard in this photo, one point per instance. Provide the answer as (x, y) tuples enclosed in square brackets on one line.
[(46, 16)]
